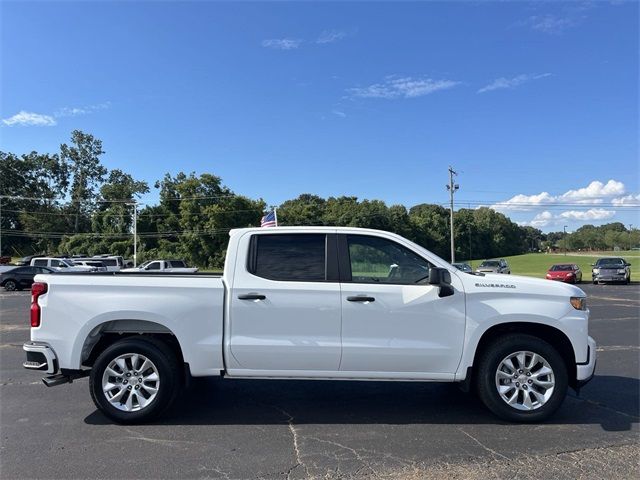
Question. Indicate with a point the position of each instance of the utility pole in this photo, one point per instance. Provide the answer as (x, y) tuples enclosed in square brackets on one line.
[(630, 228), (565, 239), (135, 233), (1, 226), (452, 187)]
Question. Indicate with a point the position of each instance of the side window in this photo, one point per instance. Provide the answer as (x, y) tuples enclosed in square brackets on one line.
[(58, 263), (154, 266), (378, 260), (40, 263), (296, 257)]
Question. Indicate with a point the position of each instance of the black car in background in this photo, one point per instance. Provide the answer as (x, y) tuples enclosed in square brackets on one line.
[(17, 278)]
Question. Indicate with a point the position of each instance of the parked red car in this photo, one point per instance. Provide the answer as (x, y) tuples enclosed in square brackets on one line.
[(565, 272)]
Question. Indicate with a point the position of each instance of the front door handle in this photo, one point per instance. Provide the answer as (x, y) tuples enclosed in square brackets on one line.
[(361, 298), (251, 296)]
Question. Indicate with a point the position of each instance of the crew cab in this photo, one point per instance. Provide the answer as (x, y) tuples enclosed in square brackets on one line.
[(168, 266), (313, 303)]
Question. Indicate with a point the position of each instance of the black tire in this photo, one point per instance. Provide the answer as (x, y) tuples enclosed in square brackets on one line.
[(10, 286), (488, 363), (169, 374)]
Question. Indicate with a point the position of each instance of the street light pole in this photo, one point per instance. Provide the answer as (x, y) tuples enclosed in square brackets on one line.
[(452, 187), (565, 239), (630, 228)]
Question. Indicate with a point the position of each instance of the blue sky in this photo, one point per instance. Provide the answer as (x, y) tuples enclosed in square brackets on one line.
[(367, 99)]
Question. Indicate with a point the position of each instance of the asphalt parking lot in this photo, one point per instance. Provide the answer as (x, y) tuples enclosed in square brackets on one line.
[(238, 429)]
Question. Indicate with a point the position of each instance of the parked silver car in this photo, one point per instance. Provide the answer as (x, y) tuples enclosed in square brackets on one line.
[(494, 266), (611, 269)]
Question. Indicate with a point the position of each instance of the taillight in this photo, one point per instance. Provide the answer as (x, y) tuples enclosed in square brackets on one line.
[(37, 289)]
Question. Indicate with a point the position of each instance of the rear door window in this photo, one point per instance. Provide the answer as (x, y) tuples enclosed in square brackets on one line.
[(290, 257), (40, 263)]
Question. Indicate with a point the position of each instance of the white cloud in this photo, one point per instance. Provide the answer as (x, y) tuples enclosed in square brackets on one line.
[(402, 87), (76, 111), (339, 113), (546, 218), (587, 215), (282, 43), (628, 200), (551, 24), (594, 193), (513, 82), (24, 118), (542, 219), (331, 36)]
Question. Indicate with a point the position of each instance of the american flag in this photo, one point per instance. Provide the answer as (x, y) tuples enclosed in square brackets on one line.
[(269, 220)]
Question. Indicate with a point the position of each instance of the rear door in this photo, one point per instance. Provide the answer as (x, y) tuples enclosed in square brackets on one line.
[(25, 276), (285, 313)]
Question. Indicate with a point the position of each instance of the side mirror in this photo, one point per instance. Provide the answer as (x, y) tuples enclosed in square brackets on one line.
[(442, 278)]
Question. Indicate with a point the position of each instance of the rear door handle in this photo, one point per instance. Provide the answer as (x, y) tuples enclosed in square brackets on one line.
[(361, 298), (251, 296)]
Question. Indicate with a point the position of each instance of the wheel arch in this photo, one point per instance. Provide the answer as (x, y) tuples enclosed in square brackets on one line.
[(109, 332), (552, 335)]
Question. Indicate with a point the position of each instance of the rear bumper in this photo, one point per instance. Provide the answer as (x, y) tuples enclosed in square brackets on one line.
[(40, 356), (585, 371)]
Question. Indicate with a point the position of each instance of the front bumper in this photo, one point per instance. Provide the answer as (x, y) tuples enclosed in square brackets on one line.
[(586, 370), (40, 356), (609, 276)]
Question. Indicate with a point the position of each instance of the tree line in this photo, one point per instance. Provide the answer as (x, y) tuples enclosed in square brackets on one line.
[(69, 203)]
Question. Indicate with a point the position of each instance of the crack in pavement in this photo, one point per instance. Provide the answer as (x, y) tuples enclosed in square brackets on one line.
[(490, 450), (296, 447), (355, 453)]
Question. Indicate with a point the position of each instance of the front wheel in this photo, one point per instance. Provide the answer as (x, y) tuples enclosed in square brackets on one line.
[(522, 378), (10, 286), (134, 380)]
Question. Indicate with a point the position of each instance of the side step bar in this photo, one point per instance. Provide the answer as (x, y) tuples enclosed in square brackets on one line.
[(61, 378)]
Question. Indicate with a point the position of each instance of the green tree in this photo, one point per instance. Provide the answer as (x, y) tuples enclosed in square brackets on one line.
[(82, 158)]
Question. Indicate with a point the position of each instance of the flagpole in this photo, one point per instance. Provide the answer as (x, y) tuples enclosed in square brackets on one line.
[(275, 215)]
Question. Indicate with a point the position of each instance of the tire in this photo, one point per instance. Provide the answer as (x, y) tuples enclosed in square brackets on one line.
[(494, 357), (136, 406), (10, 286)]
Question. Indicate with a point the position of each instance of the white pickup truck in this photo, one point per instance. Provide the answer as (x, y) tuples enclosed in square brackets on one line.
[(313, 303)]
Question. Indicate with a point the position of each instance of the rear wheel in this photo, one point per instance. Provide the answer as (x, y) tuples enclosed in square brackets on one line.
[(522, 378), (135, 380), (10, 286)]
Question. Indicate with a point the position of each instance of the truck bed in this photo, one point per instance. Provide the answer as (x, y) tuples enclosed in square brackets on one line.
[(189, 306)]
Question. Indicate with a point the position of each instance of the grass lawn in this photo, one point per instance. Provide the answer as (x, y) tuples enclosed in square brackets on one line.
[(537, 264)]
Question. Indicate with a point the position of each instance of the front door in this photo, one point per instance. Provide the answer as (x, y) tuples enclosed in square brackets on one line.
[(284, 310), (392, 320)]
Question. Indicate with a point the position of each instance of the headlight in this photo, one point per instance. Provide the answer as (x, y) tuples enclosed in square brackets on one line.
[(622, 270), (579, 303), (596, 270)]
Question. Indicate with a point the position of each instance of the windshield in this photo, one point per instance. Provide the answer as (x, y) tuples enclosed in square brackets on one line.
[(561, 268), (490, 263), (613, 262)]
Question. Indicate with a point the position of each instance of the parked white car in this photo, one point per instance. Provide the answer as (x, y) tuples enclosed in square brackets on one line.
[(61, 264), (96, 264), (159, 266), (112, 263), (314, 303)]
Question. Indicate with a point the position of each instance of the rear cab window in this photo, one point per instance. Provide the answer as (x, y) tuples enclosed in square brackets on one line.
[(299, 257)]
